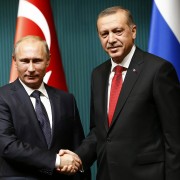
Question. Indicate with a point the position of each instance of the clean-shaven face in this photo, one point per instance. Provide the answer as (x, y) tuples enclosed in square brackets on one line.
[(31, 63)]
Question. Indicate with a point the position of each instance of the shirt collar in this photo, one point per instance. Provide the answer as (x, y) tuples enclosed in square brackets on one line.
[(126, 61), (29, 90)]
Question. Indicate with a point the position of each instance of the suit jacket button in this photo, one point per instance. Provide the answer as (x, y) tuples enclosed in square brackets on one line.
[(108, 140)]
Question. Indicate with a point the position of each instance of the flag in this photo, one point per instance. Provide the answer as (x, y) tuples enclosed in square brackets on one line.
[(165, 31), (35, 18)]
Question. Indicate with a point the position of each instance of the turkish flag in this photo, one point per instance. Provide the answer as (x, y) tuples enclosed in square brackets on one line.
[(35, 18)]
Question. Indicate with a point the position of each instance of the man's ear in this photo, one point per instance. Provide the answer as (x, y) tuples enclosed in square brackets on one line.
[(48, 61), (14, 59), (134, 31)]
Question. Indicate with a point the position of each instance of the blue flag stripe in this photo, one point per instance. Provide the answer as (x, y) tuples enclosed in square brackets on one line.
[(162, 40)]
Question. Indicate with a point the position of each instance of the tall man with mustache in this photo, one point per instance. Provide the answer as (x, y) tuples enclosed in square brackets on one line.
[(135, 108)]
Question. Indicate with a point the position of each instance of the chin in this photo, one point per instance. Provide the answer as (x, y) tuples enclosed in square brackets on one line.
[(117, 55), (33, 85)]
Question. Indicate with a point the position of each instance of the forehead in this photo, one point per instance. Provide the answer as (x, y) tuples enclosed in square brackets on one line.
[(117, 19), (30, 47), (30, 43)]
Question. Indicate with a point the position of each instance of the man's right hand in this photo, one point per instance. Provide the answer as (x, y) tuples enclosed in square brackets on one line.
[(70, 162)]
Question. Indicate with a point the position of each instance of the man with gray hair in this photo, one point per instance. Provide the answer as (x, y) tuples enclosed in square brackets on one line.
[(37, 120)]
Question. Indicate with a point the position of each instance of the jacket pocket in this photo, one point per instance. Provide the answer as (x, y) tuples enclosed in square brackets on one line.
[(150, 157)]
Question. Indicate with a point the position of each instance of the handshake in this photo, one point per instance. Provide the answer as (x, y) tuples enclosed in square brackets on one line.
[(70, 162)]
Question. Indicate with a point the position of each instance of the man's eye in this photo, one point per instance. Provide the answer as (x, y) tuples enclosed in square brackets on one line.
[(37, 60), (24, 60), (104, 35), (119, 32)]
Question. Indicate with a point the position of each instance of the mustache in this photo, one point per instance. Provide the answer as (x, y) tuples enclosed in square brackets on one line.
[(109, 46)]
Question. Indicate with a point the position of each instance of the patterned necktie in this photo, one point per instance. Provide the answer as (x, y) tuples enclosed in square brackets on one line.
[(42, 116), (115, 91)]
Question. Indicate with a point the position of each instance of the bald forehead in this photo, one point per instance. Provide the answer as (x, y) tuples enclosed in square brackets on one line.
[(29, 41)]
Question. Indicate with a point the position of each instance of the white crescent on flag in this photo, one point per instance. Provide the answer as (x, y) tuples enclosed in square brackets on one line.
[(24, 8), (35, 17)]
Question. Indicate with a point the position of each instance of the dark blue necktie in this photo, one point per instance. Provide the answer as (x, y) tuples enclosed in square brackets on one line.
[(42, 116)]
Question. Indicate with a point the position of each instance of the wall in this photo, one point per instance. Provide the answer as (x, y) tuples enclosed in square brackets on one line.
[(75, 22)]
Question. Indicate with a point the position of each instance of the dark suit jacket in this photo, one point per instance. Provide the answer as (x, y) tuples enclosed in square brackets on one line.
[(143, 141), (23, 149)]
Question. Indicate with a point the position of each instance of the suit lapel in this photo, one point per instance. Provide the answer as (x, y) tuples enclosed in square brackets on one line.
[(24, 105), (132, 75), (104, 89), (55, 108)]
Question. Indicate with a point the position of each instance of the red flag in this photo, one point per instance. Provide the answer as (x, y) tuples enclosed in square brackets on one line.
[(35, 18)]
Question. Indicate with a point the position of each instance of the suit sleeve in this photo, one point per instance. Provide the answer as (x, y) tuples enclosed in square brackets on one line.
[(78, 137), (167, 96), (87, 150)]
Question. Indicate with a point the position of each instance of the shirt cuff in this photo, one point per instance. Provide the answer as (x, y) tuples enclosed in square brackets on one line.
[(58, 161)]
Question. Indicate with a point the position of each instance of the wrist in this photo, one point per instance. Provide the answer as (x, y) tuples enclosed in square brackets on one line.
[(58, 161)]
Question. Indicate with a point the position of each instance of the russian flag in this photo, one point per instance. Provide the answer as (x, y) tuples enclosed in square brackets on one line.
[(165, 31)]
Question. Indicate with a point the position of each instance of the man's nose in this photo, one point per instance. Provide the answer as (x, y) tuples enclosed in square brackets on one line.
[(31, 67), (111, 38)]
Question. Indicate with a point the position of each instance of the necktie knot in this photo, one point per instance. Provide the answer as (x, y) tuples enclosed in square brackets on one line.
[(118, 69), (36, 94)]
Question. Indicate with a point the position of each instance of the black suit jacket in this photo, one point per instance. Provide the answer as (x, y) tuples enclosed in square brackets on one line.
[(23, 149), (143, 141)]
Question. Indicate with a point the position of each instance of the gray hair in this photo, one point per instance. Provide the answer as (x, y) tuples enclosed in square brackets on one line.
[(34, 38)]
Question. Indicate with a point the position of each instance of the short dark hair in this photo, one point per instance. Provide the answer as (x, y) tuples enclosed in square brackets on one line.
[(115, 9)]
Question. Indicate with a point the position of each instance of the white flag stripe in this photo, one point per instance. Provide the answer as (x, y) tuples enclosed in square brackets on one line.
[(47, 76), (169, 9)]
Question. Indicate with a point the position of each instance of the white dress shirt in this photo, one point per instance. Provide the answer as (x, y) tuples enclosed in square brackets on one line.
[(44, 98)]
